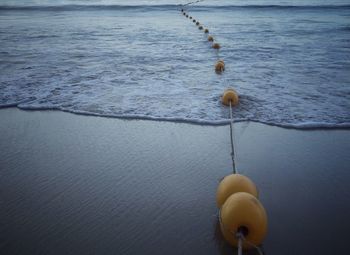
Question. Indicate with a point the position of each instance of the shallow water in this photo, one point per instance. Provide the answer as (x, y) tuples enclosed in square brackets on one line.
[(290, 63)]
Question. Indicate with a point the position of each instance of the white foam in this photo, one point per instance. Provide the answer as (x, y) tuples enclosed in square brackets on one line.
[(157, 65)]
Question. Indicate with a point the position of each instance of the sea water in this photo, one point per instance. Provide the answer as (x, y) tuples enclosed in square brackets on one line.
[(288, 60)]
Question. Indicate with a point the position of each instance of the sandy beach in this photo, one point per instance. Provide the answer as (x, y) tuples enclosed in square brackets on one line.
[(74, 184)]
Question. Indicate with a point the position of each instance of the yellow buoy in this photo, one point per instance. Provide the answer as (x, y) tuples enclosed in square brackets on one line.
[(216, 46), (219, 66), (230, 95), (200, 27), (234, 183), (206, 30), (243, 212), (210, 38), (197, 23)]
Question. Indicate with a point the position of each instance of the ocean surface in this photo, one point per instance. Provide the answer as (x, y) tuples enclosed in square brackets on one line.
[(288, 60)]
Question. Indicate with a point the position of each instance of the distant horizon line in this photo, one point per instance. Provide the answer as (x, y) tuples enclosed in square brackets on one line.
[(122, 6)]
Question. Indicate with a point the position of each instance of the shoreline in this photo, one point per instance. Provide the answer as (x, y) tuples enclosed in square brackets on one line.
[(305, 126)]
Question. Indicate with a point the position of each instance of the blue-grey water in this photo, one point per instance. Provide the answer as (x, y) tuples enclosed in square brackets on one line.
[(288, 60)]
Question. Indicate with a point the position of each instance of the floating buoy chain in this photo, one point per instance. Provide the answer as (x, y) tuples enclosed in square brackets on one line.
[(243, 219), (200, 27)]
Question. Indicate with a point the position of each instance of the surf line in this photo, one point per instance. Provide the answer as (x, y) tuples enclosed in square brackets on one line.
[(242, 217)]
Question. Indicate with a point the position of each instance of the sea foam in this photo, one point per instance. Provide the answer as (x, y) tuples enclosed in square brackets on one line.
[(289, 64)]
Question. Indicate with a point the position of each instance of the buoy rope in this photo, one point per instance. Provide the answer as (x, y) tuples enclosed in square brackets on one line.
[(232, 141), (239, 234), (193, 2), (253, 245)]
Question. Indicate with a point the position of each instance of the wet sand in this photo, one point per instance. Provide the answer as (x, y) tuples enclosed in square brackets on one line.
[(73, 184)]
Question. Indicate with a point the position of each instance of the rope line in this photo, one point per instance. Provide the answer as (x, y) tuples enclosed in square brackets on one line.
[(234, 170), (240, 252), (193, 2), (253, 245)]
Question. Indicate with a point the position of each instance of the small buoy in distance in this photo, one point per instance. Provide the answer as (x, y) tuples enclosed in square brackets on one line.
[(197, 23), (232, 184), (200, 27), (216, 46), (190, 17), (206, 30), (182, 10), (184, 13), (230, 95), (210, 38), (242, 212), (194, 20), (220, 66), (186, 16)]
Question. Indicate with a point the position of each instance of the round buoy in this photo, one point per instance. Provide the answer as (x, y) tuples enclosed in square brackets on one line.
[(190, 17), (200, 27), (243, 212), (206, 30), (234, 183), (210, 38), (219, 66), (197, 23), (184, 13), (194, 20), (230, 95), (216, 46)]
